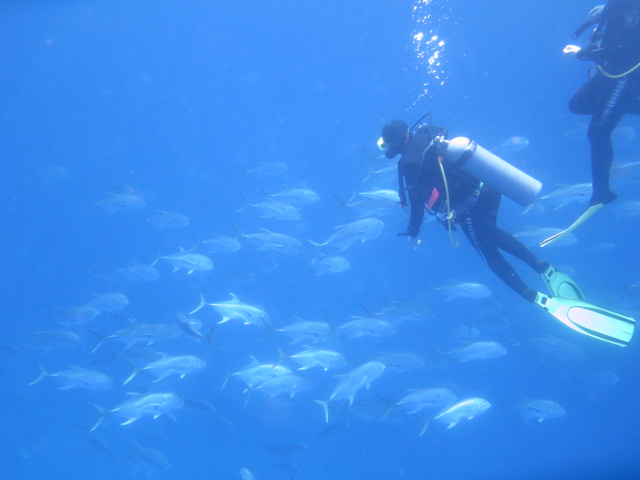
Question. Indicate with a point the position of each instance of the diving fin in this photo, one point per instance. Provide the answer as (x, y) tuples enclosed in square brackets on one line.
[(589, 319), (562, 285), (581, 219)]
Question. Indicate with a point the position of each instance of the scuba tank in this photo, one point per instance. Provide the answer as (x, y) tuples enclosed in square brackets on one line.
[(460, 152)]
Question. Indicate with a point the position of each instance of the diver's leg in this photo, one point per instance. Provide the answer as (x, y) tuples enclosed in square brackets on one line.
[(620, 100), (513, 246), (479, 226)]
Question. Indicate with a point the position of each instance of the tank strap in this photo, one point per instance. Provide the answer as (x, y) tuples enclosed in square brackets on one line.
[(469, 150)]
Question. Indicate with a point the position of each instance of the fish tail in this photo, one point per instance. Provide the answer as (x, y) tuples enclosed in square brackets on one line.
[(389, 410), (226, 378), (249, 392), (101, 339), (425, 424), (43, 373), (202, 304), (281, 357), (101, 415), (341, 203), (317, 245), (134, 372), (209, 338), (325, 406), (246, 201)]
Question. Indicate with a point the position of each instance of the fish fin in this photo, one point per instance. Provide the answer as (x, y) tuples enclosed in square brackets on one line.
[(452, 424), (200, 305), (325, 407), (425, 424), (130, 420), (160, 378), (43, 373), (101, 415), (101, 339), (234, 297), (317, 245), (130, 377), (226, 378)]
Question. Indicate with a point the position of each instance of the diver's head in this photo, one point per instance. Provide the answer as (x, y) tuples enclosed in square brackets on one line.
[(395, 136)]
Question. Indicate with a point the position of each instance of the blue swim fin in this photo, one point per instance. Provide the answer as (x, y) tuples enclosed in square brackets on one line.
[(562, 285), (581, 219), (589, 319)]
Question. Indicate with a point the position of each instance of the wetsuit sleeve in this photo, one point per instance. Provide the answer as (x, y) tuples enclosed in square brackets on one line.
[(416, 200)]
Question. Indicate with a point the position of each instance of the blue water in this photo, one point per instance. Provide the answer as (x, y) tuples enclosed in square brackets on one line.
[(187, 106)]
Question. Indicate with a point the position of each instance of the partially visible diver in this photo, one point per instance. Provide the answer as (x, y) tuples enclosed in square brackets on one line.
[(612, 90), (462, 185)]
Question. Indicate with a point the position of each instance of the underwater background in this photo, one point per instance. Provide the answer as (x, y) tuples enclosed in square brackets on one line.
[(130, 130)]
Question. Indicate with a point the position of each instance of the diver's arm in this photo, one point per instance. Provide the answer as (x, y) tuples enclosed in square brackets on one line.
[(416, 216)]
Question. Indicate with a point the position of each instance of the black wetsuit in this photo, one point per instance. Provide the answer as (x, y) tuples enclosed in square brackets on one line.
[(475, 206), (615, 48)]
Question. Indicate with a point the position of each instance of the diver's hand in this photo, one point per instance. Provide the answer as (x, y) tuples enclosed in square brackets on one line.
[(415, 242), (571, 49)]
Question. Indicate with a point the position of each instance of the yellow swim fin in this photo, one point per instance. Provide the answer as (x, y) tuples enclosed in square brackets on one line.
[(581, 219)]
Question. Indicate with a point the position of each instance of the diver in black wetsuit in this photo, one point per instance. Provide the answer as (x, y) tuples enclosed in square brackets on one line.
[(613, 88), (475, 205), (443, 188)]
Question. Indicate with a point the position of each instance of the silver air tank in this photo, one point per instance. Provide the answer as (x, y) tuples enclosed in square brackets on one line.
[(492, 170)]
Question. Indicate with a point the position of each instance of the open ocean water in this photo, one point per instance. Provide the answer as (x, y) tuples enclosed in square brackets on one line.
[(226, 137)]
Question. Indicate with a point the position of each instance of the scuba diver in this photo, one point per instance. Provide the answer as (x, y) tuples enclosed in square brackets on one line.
[(612, 90), (462, 184)]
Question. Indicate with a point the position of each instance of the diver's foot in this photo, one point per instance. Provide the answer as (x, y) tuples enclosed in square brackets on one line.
[(603, 198)]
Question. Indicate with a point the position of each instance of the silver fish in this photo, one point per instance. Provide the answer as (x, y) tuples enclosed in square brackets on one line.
[(367, 327), (324, 359), (146, 333), (540, 410), (163, 220), (357, 378), (135, 272), (418, 400), (234, 309), (470, 290), (302, 330), (330, 264), (483, 350), (296, 196), (108, 302), (284, 385), (47, 341), (257, 373), (511, 145), (152, 405), (466, 409), (222, 244), (401, 361), (277, 210), (567, 194), (77, 377), (358, 231), (171, 365), (121, 202), (277, 242), (192, 262)]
